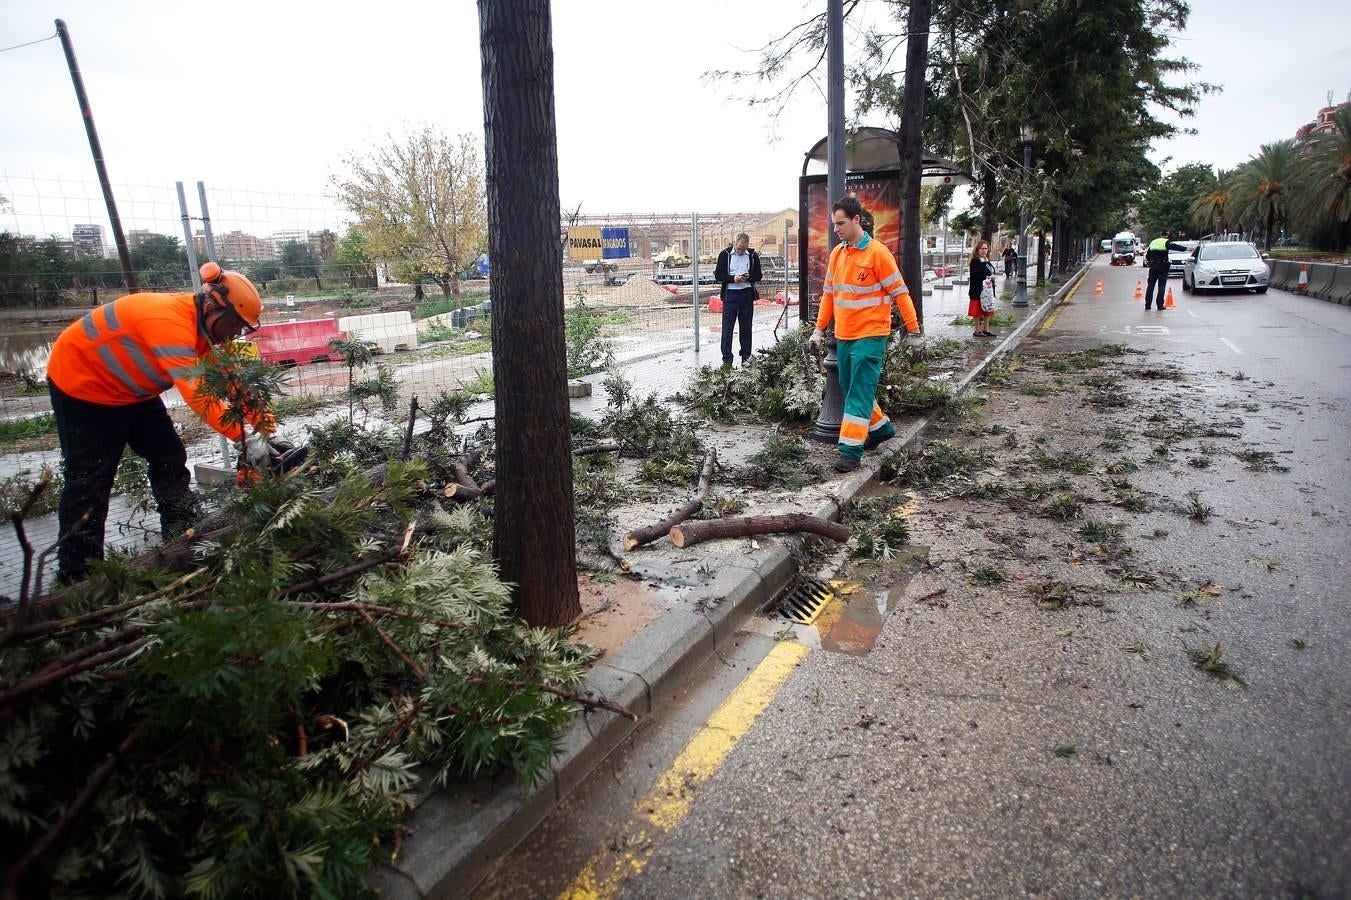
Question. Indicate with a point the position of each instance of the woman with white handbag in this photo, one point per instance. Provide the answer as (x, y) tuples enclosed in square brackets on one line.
[(980, 290)]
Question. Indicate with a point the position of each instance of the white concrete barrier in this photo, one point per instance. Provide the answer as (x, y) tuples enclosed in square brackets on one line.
[(389, 331)]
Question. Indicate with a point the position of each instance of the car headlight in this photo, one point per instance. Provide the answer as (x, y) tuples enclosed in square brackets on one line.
[(1204, 271)]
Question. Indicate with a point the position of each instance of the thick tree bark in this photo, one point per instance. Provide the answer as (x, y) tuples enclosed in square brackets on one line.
[(534, 533), (688, 534), (912, 149)]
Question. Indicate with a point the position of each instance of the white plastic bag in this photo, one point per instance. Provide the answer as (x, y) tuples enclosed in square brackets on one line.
[(987, 296)]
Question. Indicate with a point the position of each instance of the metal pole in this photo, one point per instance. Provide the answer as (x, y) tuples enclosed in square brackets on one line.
[(123, 252), (786, 223), (187, 238), (694, 274), (1020, 293), (827, 425), (197, 284), (835, 163), (206, 224)]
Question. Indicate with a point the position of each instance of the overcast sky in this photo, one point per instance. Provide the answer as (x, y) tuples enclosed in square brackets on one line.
[(262, 100)]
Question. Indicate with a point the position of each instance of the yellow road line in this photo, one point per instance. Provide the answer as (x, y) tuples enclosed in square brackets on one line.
[(1055, 312), (671, 798)]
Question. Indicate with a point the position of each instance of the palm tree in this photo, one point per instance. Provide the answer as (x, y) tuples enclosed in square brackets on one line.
[(1263, 185), (1210, 211), (1324, 195)]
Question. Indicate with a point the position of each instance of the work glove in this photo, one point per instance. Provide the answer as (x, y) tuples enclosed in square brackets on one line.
[(818, 337), (257, 451), (913, 339)]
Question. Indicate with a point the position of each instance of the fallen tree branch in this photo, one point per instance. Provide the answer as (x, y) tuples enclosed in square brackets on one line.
[(92, 787), (566, 695), (606, 447), (649, 533), (38, 682), (99, 615), (408, 434), (392, 644), (323, 581), (691, 533)]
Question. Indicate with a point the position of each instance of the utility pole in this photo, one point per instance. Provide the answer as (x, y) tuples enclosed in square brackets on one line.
[(123, 252)]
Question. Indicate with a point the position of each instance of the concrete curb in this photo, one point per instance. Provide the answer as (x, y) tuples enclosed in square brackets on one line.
[(460, 832)]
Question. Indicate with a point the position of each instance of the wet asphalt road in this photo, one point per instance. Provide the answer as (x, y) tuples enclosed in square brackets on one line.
[(928, 766)]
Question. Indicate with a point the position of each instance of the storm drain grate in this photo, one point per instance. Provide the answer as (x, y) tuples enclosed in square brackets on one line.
[(804, 603)]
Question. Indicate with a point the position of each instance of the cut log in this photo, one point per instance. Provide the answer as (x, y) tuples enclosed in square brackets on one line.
[(607, 447), (462, 467), (649, 533), (691, 533)]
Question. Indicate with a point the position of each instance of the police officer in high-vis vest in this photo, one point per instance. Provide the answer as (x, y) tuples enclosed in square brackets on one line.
[(1156, 258), (862, 281), (105, 376)]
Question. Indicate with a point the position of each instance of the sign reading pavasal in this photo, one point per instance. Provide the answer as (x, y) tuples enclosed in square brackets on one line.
[(591, 242)]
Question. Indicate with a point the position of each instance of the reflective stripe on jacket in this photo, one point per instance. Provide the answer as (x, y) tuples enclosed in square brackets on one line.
[(861, 283), (133, 349)]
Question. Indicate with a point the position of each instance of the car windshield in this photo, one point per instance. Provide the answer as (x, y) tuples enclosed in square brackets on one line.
[(1228, 251)]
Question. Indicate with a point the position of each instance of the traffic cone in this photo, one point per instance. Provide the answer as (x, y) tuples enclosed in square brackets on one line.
[(1168, 301), (1303, 287), (1139, 290), (1098, 290)]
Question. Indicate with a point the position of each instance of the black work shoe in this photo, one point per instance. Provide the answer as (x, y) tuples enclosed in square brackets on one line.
[(876, 438), (845, 463)]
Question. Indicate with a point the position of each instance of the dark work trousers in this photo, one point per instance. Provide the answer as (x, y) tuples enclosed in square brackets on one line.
[(737, 310), (92, 440), (1156, 278)]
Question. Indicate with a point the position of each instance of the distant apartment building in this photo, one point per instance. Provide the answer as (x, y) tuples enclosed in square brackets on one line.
[(1324, 123), (240, 245), (88, 241), (138, 236), (291, 235)]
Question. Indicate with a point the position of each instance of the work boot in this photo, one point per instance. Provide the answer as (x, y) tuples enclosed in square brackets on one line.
[(878, 437), (846, 463)]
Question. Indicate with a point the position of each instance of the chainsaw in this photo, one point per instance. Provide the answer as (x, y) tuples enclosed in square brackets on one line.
[(286, 457)]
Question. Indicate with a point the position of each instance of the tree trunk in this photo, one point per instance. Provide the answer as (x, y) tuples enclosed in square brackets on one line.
[(534, 532), (912, 150), (1041, 256), (989, 185)]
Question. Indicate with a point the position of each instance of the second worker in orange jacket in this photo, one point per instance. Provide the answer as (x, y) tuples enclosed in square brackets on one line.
[(862, 282)]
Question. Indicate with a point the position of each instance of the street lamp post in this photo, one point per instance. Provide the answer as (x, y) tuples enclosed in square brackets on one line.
[(1020, 293)]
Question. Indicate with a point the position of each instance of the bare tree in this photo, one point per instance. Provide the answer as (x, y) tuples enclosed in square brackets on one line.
[(419, 203), (534, 534)]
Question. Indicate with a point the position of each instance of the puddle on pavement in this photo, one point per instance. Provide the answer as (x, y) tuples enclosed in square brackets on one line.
[(865, 594)]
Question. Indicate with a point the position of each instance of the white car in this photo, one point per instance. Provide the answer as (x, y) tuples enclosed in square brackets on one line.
[(1226, 266), (1177, 259)]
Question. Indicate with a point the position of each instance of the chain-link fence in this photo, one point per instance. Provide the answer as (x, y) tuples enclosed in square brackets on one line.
[(633, 278)]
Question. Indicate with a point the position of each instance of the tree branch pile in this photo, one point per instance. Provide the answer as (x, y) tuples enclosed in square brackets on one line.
[(254, 727)]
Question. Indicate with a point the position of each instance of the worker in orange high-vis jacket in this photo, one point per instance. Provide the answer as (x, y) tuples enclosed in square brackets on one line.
[(862, 281), (105, 376)]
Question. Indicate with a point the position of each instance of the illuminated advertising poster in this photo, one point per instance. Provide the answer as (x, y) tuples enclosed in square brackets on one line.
[(880, 195)]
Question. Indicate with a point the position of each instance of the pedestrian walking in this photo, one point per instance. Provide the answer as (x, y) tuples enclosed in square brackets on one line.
[(738, 271), (105, 376), (1156, 260), (981, 281), (1010, 260), (862, 281)]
